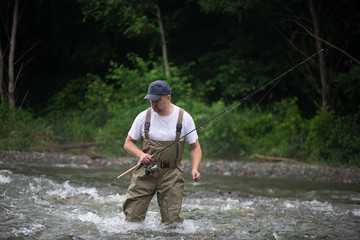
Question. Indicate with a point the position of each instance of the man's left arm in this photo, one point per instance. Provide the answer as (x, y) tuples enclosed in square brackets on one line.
[(196, 156)]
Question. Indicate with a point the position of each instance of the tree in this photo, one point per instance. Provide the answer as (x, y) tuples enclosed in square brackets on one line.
[(163, 41), (315, 26), (12, 79), (131, 18), (15, 62), (1, 74)]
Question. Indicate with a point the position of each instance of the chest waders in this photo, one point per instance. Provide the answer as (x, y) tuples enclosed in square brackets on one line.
[(167, 183)]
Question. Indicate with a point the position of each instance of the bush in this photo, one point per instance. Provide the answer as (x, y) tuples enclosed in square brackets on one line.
[(103, 108), (289, 130), (236, 134), (334, 140), (74, 127), (22, 132)]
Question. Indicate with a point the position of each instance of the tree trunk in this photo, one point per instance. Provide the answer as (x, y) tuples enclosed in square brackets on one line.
[(163, 42), (11, 88), (1, 75), (322, 61)]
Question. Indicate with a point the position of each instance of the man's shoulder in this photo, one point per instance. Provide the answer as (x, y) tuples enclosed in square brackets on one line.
[(141, 115), (186, 115)]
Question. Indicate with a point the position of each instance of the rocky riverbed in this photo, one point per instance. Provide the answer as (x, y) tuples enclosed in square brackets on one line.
[(236, 168)]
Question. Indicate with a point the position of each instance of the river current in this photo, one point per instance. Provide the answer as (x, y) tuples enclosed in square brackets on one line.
[(77, 202)]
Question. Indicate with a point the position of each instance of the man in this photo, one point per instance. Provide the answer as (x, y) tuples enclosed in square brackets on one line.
[(158, 127)]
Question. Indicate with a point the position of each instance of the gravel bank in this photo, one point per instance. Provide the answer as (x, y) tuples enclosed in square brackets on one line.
[(236, 168)]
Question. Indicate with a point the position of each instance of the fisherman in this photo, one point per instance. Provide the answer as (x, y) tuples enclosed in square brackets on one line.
[(159, 126)]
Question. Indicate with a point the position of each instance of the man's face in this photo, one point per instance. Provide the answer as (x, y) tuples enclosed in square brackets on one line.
[(160, 106)]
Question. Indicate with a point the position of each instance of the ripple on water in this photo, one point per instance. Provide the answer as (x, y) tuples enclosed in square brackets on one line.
[(42, 205)]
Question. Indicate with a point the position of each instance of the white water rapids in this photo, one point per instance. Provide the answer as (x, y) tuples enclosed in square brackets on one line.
[(74, 202)]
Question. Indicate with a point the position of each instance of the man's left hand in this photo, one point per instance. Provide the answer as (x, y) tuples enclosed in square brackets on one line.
[(196, 175)]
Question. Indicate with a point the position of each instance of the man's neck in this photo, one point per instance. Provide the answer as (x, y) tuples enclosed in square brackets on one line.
[(167, 111)]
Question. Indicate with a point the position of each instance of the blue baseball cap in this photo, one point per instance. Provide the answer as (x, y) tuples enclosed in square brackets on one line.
[(157, 89)]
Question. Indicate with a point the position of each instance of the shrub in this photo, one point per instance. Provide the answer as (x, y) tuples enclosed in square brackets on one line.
[(22, 132), (290, 130)]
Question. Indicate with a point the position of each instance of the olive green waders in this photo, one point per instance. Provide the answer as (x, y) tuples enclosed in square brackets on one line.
[(168, 183)]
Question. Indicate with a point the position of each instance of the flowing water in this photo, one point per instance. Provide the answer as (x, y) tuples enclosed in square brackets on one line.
[(76, 202)]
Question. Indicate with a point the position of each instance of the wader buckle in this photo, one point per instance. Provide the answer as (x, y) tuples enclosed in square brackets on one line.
[(165, 164)]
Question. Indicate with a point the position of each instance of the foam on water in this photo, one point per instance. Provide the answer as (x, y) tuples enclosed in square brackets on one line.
[(72, 165), (66, 190), (5, 176), (108, 224), (319, 206), (356, 212), (47, 206), (28, 231), (247, 204)]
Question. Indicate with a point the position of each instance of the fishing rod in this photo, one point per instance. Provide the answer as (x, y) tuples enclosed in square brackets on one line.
[(226, 109)]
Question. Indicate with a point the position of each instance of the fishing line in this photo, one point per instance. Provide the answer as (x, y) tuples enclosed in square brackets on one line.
[(245, 117), (247, 114), (244, 99), (231, 107)]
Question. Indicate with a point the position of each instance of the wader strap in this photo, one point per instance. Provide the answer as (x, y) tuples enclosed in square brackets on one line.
[(147, 123), (179, 124)]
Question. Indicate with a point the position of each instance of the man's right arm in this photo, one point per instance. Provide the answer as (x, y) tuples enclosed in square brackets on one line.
[(130, 147)]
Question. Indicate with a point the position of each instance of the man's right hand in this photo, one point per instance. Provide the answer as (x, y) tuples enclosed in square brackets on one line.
[(146, 158), (130, 147)]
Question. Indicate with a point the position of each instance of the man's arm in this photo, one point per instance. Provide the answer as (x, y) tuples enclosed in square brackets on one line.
[(130, 147), (196, 155)]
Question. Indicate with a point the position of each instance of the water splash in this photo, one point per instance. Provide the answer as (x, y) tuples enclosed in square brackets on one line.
[(5, 176), (86, 204)]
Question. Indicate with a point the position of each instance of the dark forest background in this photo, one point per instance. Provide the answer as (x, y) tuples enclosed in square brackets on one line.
[(75, 72)]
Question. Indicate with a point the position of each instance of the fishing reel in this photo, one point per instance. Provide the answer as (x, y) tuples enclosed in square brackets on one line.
[(151, 169)]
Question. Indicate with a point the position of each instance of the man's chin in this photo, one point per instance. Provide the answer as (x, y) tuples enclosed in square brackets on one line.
[(156, 110)]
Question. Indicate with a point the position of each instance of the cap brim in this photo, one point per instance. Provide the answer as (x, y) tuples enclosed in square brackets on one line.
[(152, 97)]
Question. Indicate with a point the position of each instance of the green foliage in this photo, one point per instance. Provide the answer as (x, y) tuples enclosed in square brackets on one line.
[(102, 108), (348, 85), (290, 129), (241, 52), (235, 134), (131, 17), (283, 132), (70, 97), (74, 127), (99, 101), (238, 77), (345, 141), (23, 132), (320, 129), (333, 140), (114, 133), (227, 7)]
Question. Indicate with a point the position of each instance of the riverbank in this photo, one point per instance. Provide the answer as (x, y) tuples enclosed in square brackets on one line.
[(235, 168)]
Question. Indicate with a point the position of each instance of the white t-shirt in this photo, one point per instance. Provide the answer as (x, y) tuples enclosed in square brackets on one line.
[(164, 128)]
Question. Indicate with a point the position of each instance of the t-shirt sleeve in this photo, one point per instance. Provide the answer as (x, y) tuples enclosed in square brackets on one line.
[(136, 129), (190, 127)]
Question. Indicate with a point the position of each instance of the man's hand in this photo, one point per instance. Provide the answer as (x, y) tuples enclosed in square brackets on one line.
[(130, 147), (146, 158), (196, 159), (195, 175)]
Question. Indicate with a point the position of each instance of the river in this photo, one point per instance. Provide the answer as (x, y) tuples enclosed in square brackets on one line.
[(77, 202)]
